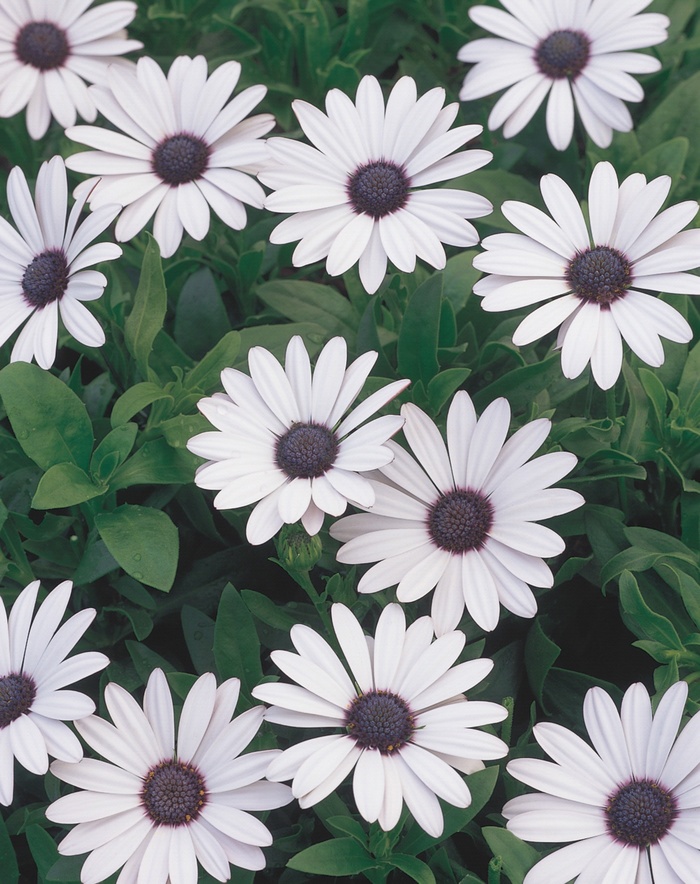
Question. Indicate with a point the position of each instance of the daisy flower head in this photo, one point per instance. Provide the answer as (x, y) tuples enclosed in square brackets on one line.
[(462, 517), (182, 149), (630, 803), (283, 437), (400, 701), (48, 49), (591, 274), (33, 674), (359, 193), (575, 51), (43, 266), (161, 803)]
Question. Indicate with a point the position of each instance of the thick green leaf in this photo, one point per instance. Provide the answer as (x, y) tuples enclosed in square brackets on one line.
[(444, 384), (49, 420), (541, 654), (653, 625), (43, 848), (198, 630), (236, 644), (155, 463), (340, 857), (418, 338), (206, 376), (310, 302), (65, 484), (113, 450), (8, 860), (135, 399), (144, 542), (200, 319), (147, 315), (414, 868), (517, 856), (521, 385)]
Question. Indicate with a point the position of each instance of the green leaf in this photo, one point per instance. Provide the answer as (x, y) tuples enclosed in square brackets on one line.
[(415, 868), (8, 860), (43, 848), (688, 588), (521, 385), (147, 315), (49, 420), (144, 542), (541, 653), (198, 630), (444, 384), (262, 607), (418, 338), (340, 857), (236, 644), (135, 399), (656, 392), (155, 463), (667, 158), (65, 485), (689, 385), (207, 374), (113, 450), (651, 624), (276, 337), (310, 302), (200, 318), (517, 856)]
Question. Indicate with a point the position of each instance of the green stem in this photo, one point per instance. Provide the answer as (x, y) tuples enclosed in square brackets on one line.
[(611, 407), (303, 579), (495, 867)]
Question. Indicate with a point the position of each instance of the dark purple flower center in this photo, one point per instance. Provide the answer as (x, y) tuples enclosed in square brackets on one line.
[(378, 189), (380, 720), (601, 274), (306, 450), (173, 793), (180, 158), (42, 45), (17, 693), (46, 279), (563, 53), (460, 521), (640, 813)]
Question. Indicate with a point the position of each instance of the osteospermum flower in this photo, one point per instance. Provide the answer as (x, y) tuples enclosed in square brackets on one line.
[(283, 437), (462, 518), (359, 194), (158, 804), (42, 268), (33, 674), (49, 48), (184, 151), (594, 277), (631, 803), (575, 52), (406, 721)]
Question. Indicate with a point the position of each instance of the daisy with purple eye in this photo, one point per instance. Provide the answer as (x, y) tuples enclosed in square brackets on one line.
[(630, 803), (283, 437), (576, 52), (186, 149), (461, 518), (43, 271), (408, 728), (34, 673), (49, 48), (592, 280), (360, 193), (166, 799)]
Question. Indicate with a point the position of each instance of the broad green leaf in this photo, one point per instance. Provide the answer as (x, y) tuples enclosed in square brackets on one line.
[(236, 644), (541, 653), (135, 399), (459, 277), (649, 623), (310, 302), (517, 856), (689, 385), (443, 385), (340, 857), (148, 313), (143, 541), (656, 392), (667, 158), (8, 860), (688, 588), (65, 484), (155, 463), (414, 868), (262, 607), (145, 660), (198, 630), (49, 420), (276, 337), (206, 376), (521, 385), (418, 337), (44, 850), (113, 450), (200, 318), (95, 563)]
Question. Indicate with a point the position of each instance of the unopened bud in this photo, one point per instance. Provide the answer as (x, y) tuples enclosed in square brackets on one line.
[(297, 549)]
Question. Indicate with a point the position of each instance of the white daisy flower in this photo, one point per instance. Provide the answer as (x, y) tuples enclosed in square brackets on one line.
[(283, 437), (359, 194), (158, 804), (631, 803), (407, 723), (49, 48), (184, 151), (42, 268), (574, 50), (594, 277), (33, 674), (462, 518)]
